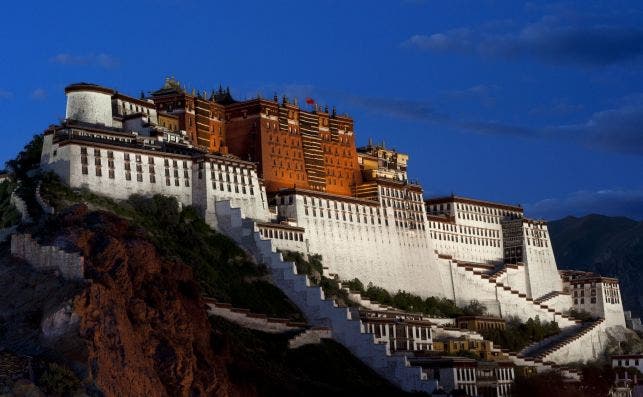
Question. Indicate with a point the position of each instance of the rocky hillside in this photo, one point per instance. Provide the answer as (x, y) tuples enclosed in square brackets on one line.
[(137, 326), (611, 246)]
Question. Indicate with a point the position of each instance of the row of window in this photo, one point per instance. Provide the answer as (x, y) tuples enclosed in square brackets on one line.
[(465, 374), (396, 330), (537, 242), (402, 204), (125, 106), (447, 207), (400, 194), (465, 239), (582, 300), (626, 362), (128, 176), (318, 202), (281, 234), (474, 231), (168, 174), (314, 211), (481, 218)]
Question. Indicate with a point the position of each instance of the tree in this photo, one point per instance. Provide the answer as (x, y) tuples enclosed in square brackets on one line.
[(474, 308), (28, 158)]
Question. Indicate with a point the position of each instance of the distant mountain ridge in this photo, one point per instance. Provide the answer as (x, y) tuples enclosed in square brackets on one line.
[(611, 246)]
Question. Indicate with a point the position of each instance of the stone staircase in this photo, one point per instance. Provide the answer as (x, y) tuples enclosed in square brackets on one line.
[(576, 342), (546, 297), (569, 347), (446, 328), (510, 298), (310, 336), (256, 321), (321, 312), (543, 348), (498, 274)]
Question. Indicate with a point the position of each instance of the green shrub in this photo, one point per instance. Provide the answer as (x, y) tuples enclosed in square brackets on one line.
[(313, 268), (517, 335), (403, 300), (474, 308), (355, 285), (582, 315)]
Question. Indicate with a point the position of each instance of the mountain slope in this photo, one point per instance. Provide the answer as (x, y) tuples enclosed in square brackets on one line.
[(610, 246)]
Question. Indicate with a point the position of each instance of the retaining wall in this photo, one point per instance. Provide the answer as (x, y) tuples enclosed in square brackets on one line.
[(46, 257), (21, 206)]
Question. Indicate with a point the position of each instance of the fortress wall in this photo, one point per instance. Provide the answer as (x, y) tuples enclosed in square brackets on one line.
[(516, 278), (90, 107), (120, 187), (468, 247), (47, 258), (373, 249), (612, 312), (542, 271), (248, 193), (541, 265)]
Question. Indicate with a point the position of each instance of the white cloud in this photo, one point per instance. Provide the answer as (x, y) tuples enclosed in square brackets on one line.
[(102, 60), (39, 94)]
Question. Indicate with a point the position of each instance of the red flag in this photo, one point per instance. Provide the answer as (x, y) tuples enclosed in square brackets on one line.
[(310, 101)]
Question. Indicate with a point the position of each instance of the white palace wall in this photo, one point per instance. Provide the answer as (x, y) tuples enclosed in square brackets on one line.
[(90, 106), (539, 259), (119, 173), (359, 239)]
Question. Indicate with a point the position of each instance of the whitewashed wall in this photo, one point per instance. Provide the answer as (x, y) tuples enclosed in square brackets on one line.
[(89, 107), (373, 249), (178, 177)]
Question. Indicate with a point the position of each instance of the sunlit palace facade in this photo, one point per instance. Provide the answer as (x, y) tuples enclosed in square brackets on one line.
[(300, 175)]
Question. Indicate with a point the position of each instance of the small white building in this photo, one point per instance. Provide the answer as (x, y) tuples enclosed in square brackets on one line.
[(627, 384), (628, 361), (599, 296)]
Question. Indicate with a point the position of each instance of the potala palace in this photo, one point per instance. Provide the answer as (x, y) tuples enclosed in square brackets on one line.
[(275, 176)]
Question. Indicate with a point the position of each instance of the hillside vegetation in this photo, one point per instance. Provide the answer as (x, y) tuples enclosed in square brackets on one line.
[(610, 246), (220, 266)]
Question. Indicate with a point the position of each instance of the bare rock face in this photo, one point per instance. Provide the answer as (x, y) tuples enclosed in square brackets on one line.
[(64, 321), (144, 325)]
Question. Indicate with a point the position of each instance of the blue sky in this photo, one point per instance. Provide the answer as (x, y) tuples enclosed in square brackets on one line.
[(535, 103)]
